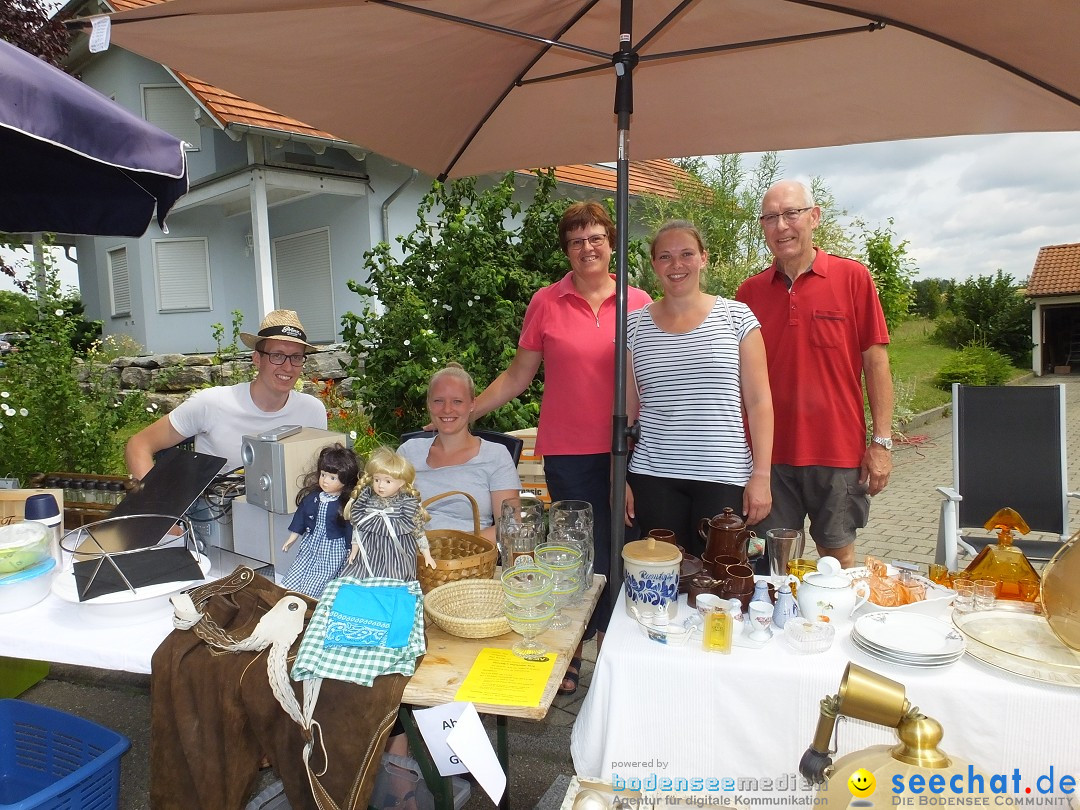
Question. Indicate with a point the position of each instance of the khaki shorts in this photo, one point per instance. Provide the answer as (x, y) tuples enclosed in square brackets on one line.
[(834, 499)]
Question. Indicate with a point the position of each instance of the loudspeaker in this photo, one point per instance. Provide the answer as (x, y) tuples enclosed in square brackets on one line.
[(274, 469)]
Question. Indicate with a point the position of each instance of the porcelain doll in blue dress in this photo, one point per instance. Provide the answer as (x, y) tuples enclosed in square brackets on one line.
[(320, 522)]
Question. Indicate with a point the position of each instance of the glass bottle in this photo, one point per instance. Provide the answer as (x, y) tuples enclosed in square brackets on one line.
[(1004, 562)]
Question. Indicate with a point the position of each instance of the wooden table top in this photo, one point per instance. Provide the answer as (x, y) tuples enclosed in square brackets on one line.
[(449, 659)]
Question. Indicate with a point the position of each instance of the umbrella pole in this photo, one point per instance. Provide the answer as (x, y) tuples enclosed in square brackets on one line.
[(624, 61)]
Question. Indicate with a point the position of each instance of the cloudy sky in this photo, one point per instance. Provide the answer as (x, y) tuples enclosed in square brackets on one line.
[(967, 205)]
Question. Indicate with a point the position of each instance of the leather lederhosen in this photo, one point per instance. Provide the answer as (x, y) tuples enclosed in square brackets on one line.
[(214, 716)]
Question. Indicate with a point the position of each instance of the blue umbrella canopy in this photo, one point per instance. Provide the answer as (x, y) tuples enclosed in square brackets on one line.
[(76, 162)]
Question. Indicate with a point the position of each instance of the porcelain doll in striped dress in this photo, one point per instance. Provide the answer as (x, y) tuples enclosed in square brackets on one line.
[(388, 521)]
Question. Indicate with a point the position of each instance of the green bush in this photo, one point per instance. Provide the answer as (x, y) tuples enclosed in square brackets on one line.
[(48, 420), (459, 295), (991, 310), (974, 365)]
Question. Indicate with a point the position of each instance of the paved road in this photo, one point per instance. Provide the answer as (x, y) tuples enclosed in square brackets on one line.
[(903, 525)]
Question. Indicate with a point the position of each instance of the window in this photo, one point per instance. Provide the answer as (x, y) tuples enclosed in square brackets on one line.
[(182, 273), (119, 283), (302, 266), (171, 108)]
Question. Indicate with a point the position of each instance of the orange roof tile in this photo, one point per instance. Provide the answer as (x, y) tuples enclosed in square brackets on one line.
[(1056, 271)]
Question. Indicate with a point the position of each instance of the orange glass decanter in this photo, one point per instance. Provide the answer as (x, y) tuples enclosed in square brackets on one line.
[(1004, 562)]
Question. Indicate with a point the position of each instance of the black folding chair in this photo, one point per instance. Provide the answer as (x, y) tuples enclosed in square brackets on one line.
[(512, 443), (1008, 450)]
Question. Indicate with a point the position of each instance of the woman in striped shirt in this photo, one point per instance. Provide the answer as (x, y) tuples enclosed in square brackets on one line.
[(696, 367)]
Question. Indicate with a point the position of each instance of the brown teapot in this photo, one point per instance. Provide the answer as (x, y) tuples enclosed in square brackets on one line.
[(726, 535)]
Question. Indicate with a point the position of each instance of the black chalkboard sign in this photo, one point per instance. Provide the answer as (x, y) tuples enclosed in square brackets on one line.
[(1010, 446)]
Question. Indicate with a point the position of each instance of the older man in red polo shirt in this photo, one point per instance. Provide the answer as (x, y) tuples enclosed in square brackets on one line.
[(824, 332)]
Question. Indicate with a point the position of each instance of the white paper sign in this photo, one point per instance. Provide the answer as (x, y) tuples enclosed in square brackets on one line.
[(435, 724), (100, 31), (470, 742)]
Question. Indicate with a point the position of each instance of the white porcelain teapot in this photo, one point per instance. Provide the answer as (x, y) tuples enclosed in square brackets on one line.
[(827, 595)]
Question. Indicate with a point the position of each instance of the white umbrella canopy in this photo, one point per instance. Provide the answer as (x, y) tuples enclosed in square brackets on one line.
[(463, 87)]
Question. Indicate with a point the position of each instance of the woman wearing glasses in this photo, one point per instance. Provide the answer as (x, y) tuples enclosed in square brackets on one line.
[(219, 417), (570, 326), (696, 364)]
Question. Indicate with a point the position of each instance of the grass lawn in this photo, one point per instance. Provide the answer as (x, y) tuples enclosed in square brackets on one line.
[(914, 361)]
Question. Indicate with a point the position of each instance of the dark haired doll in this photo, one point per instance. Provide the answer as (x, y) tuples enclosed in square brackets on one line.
[(320, 523)]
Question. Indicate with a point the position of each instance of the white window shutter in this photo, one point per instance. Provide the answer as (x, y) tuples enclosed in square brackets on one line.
[(119, 283), (182, 273), (302, 262), (172, 109)]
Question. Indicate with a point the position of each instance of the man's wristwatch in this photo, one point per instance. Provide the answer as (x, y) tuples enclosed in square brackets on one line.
[(884, 441)]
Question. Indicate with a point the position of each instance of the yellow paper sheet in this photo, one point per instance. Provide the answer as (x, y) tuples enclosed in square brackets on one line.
[(500, 678)]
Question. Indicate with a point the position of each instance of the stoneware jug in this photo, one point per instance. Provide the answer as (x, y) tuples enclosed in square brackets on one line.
[(725, 534), (827, 595), (651, 577)]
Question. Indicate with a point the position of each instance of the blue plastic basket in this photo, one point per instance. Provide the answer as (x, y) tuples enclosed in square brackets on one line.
[(52, 759)]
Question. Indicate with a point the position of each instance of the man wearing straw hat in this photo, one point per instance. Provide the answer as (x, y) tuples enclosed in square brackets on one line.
[(218, 417)]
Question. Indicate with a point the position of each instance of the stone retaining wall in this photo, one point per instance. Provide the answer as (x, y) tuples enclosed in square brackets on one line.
[(167, 379)]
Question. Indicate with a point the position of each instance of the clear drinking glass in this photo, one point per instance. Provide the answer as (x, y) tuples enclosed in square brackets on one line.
[(520, 527), (571, 523), (526, 583), (564, 563), (529, 622)]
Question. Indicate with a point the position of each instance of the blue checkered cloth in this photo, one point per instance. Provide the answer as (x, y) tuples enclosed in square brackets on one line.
[(360, 665)]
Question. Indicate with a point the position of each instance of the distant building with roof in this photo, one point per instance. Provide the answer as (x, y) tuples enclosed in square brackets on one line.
[(1054, 286)]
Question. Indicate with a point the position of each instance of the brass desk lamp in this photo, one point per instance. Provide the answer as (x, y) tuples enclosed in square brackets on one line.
[(865, 695)]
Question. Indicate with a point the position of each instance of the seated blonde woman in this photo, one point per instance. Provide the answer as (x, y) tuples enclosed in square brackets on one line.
[(454, 459)]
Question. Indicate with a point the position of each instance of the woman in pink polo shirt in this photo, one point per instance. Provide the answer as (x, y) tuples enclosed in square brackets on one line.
[(570, 326)]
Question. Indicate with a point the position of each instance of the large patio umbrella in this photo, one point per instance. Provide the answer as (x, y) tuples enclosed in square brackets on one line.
[(461, 87), (74, 161)]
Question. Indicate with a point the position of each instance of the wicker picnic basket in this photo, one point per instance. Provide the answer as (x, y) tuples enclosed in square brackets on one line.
[(457, 554), (468, 608)]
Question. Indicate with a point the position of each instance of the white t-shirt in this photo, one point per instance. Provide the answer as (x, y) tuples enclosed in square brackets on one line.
[(691, 397), (490, 470), (219, 417)]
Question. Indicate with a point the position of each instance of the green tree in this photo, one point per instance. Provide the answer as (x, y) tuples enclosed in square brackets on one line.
[(26, 24), (16, 311), (723, 199), (459, 295), (993, 311), (892, 272), (930, 297)]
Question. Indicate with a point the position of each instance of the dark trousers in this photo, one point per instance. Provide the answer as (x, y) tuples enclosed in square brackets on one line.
[(588, 478), (679, 504)]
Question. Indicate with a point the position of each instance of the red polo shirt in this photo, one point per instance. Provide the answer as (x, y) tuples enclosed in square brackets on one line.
[(815, 334)]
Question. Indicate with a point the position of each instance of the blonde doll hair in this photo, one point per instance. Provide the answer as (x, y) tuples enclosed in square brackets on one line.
[(384, 461)]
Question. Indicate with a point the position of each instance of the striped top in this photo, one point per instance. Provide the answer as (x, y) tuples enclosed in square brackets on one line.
[(691, 398)]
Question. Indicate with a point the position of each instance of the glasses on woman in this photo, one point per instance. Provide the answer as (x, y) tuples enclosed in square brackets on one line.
[(278, 358), (596, 240)]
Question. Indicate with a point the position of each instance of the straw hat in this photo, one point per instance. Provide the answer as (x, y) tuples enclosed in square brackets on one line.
[(281, 324)]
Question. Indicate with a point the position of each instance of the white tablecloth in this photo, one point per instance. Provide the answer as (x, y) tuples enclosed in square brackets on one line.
[(66, 633), (682, 712)]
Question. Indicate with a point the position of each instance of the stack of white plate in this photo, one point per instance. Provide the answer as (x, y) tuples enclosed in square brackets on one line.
[(908, 639)]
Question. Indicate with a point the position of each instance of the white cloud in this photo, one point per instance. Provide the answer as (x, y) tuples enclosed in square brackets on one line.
[(967, 205)]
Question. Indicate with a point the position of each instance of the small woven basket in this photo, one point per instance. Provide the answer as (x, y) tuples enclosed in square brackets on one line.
[(468, 608), (457, 554)]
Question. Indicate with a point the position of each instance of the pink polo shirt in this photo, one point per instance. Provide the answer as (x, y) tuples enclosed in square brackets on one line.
[(579, 366)]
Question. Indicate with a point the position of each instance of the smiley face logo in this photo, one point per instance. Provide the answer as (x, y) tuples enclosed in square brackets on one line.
[(862, 783)]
